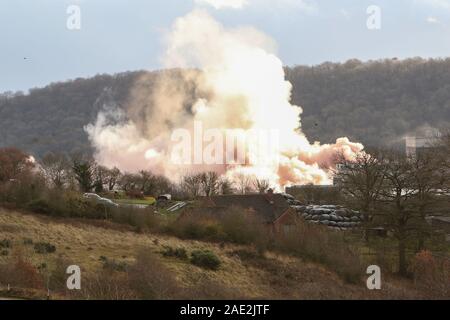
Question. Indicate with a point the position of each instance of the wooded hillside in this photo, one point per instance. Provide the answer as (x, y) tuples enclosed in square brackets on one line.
[(375, 102)]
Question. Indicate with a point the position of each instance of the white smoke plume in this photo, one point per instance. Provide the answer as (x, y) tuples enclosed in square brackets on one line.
[(241, 84)]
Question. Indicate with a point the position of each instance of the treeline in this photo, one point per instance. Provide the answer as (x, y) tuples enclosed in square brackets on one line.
[(24, 180), (399, 193), (382, 100)]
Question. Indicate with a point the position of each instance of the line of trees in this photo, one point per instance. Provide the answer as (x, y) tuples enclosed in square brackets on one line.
[(82, 173), (85, 174), (398, 192)]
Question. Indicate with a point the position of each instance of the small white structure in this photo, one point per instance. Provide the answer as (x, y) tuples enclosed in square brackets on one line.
[(97, 199), (163, 197)]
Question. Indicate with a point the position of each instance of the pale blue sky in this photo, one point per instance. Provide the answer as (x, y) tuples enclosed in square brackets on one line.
[(121, 35)]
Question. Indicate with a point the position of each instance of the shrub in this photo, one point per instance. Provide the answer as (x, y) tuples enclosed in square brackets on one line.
[(431, 274), (40, 206), (25, 188), (67, 203), (21, 273), (147, 278), (135, 194), (179, 253), (141, 219), (150, 279), (113, 265), (205, 259), (243, 228), (27, 241), (318, 244), (105, 286), (199, 227), (5, 243), (74, 205), (58, 203), (247, 254), (238, 226), (44, 248), (57, 280), (234, 225)]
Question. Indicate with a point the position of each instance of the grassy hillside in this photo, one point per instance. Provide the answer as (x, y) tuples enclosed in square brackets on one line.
[(242, 273)]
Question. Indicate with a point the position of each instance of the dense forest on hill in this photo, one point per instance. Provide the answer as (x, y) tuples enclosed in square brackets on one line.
[(375, 102)]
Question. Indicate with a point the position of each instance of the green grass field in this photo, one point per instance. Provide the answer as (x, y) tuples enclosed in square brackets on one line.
[(148, 202)]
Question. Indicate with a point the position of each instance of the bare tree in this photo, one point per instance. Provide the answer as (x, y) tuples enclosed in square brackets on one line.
[(261, 185), (56, 169), (243, 183), (129, 181), (192, 185), (210, 183), (226, 186), (427, 181), (112, 177), (396, 208), (13, 162), (146, 180), (394, 191), (151, 184), (361, 180), (162, 185)]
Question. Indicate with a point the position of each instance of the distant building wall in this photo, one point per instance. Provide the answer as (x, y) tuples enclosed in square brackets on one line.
[(415, 145)]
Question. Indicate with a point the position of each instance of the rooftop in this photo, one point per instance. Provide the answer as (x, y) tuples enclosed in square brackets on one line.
[(268, 206)]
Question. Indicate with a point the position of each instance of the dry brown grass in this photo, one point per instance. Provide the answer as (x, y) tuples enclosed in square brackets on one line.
[(267, 276), (432, 274)]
